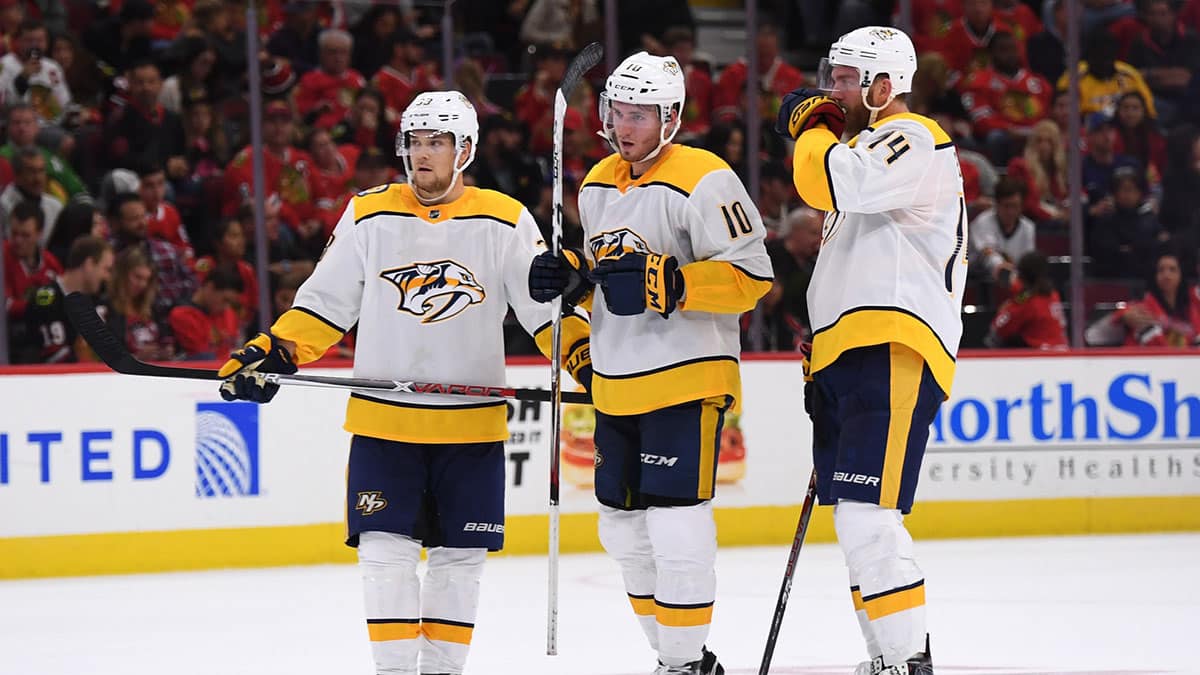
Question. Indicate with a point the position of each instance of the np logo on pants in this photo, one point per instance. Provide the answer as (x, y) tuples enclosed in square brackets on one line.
[(370, 502)]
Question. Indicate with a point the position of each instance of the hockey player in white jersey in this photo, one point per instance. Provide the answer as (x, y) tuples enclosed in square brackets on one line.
[(885, 301), (677, 253), (427, 270)]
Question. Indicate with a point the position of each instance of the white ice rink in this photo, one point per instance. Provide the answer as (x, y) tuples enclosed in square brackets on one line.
[(1109, 605)]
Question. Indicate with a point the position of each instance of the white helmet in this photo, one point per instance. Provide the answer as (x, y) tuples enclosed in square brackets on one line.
[(873, 50), (444, 112), (643, 79)]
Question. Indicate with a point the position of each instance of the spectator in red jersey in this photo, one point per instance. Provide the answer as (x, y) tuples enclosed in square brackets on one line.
[(1033, 317), (332, 176), (170, 16), (206, 326), (162, 219), (931, 23), (966, 45), (1138, 136), (325, 95), (127, 217), (1043, 170), (286, 172), (534, 101), (1005, 100), (143, 132), (1169, 314), (404, 75), (26, 264), (131, 311), (1021, 20), (1167, 55), (776, 77), (697, 106), (229, 246)]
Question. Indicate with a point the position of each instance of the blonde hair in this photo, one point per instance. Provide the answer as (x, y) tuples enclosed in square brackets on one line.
[(1040, 172), (129, 260)]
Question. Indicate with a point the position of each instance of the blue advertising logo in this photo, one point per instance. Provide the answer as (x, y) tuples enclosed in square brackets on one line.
[(227, 449)]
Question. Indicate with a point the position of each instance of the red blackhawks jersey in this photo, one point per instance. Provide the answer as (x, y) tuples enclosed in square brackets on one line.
[(399, 89), (998, 102), (1030, 320), (288, 176), (931, 22), (967, 51), (317, 87), (164, 223)]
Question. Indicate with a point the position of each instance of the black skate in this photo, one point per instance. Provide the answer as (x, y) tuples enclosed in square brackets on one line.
[(707, 665)]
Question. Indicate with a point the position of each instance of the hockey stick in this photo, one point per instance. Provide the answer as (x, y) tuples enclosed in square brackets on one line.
[(82, 313), (810, 500), (583, 62)]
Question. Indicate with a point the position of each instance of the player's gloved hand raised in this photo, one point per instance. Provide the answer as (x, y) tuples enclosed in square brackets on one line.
[(564, 274), (636, 282), (244, 370), (804, 109)]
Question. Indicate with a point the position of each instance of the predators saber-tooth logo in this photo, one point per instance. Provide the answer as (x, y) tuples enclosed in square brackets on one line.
[(617, 243), (370, 502), (435, 291)]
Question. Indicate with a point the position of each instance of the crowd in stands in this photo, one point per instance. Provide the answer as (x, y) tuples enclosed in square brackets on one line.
[(126, 167)]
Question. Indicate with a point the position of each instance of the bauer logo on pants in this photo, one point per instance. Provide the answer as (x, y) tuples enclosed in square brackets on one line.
[(227, 449)]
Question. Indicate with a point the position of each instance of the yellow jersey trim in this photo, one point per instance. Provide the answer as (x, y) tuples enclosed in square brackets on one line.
[(868, 326), (576, 350), (412, 423), (679, 167), (720, 287), (906, 367), (810, 173), (474, 202), (693, 380), (387, 630), (643, 605), (447, 631), (940, 137), (312, 333)]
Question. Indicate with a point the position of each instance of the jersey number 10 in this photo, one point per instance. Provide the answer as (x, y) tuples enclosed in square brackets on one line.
[(743, 225)]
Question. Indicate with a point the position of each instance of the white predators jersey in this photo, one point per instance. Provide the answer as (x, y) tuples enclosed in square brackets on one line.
[(428, 287), (893, 257), (692, 206)]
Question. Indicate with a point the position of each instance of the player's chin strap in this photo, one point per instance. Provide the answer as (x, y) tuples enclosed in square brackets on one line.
[(875, 110)]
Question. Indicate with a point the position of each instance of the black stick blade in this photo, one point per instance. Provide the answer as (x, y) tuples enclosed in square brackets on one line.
[(584, 61), (82, 313)]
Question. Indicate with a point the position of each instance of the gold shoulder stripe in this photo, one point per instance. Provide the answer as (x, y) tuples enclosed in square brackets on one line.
[(490, 205), (397, 198), (940, 137), (604, 173)]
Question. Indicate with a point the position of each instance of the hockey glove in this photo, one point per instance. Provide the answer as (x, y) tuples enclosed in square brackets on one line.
[(243, 372), (636, 282), (565, 275), (804, 109)]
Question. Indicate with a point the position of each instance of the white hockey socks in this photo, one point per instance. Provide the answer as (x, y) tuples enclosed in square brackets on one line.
[(449, 602), (623, 534), (388, 563), (891, 588), (685, 553)]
